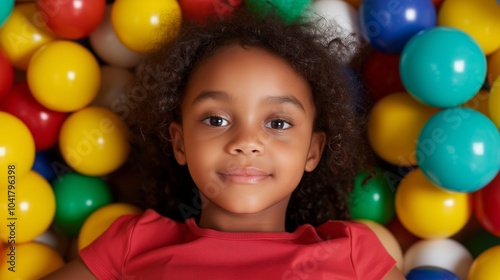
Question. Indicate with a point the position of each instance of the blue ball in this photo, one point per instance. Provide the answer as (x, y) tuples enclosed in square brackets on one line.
[(389, 24), (442, 67), (431, 273), (6, 7), (43, 165), (458, 149)]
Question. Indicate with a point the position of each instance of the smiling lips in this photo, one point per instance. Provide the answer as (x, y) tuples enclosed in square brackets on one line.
[(244, 175)]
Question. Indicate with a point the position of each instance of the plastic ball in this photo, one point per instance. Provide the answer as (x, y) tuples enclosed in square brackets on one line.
[(77, 196), (72, 19), (394, 125), (387, 239), (339, 13), (113, 92), (372, 200), (388, 25), (55, 239), (100, 220), (354, 3), (479, 102), (143, 25), (459, 150), (480, 242), (404, 237), (493, 62), (431, 273), (288, 10), (485, 266), (487, 206), (437, 4), (22, 35), (381, 75), (443, 253), (45, 165), (442, 67), (17, 147), (428, 211), (7, 74), (31, 201), (44, 124), (64, 76), (6, 7), (109, 48), (32, 260), (479, 19), (201, 10), (494, 102), (94, 141)]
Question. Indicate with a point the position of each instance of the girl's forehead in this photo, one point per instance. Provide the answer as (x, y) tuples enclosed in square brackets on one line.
[(247, 69)]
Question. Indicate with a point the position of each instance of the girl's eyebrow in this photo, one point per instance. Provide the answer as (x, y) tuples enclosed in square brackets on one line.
[(215, 95), (285, 99), (270, 100)]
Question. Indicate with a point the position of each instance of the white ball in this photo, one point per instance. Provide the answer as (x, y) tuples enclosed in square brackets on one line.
[(112, 94), (54, 239), (109, 48), (444, 253), (338, 13)]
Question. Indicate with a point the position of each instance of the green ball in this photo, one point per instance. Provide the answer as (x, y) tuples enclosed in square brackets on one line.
[(77, 196), (480, 242), (289, 10), (373, 200)]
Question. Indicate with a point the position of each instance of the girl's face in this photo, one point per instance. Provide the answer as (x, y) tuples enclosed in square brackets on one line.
[(247, 132)]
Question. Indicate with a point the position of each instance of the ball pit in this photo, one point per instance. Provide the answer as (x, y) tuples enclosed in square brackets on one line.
[(423, 221)]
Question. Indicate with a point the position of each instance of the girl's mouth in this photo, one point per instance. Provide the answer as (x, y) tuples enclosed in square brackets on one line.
[(244, 175)]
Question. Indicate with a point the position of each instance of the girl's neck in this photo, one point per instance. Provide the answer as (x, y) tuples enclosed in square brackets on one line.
[(269, 220)]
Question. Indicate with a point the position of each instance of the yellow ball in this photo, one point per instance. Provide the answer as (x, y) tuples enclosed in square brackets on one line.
[(94, 141), (493, 66), (480, 19), (32, 261), (387, 239), (485, 266), (394, 125), (142, 25), (17, 147), (28, 208), (428, 211), (100, 220), (494, 103), (64, 76), (23, 34), (479, 102)]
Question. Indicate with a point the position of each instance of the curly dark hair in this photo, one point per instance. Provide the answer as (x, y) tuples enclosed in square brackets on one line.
[(160, 83)]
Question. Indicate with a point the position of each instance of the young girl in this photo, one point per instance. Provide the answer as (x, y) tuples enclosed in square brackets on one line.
[(249, 140)]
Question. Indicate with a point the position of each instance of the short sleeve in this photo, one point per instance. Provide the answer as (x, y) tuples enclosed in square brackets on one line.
[(105, 257), (369, 257)]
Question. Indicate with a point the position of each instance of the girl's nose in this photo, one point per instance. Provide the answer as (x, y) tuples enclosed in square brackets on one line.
[(247, 142)]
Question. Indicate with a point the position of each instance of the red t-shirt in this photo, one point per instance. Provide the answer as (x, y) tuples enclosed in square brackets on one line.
[(151, 246)]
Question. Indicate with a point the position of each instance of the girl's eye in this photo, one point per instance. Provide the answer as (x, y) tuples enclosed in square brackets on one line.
[(215, 121), (279, 124)]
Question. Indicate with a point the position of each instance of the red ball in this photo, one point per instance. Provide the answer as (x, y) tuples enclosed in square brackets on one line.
[(437, 3), (487, 206), (201, 10), (71, 19), (44, 124), (6, 75), (381, 75)]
